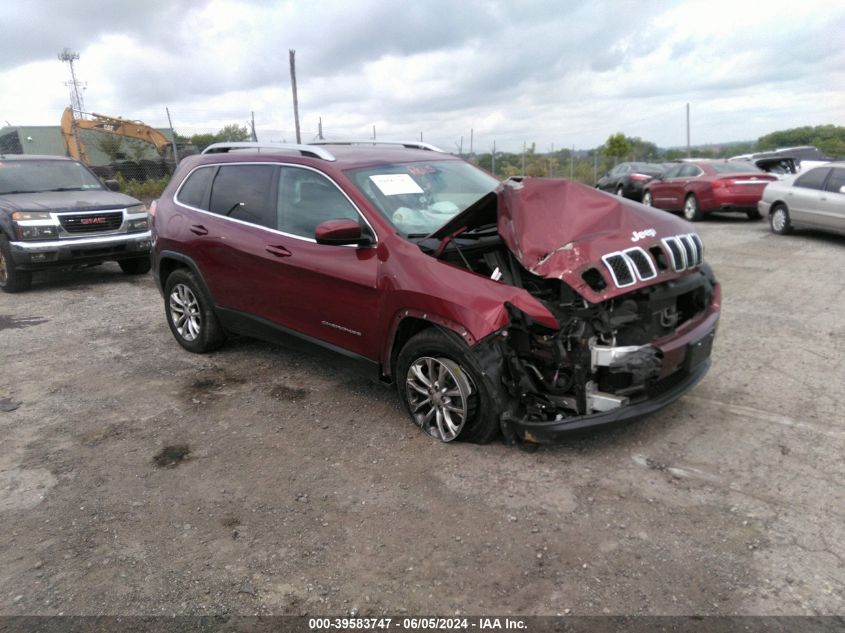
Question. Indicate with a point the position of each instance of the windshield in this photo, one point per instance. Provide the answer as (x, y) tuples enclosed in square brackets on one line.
[(418, 198), (35, 176)]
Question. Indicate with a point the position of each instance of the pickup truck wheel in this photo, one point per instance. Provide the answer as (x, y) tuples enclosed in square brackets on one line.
[(779, 220), (647, 199), (135, 266), (444, 390), (692, 211), (620, 192), (190, 314), (12, 279)]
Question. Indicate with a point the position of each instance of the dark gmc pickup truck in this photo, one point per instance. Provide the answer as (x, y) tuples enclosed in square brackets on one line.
[(54, 212)]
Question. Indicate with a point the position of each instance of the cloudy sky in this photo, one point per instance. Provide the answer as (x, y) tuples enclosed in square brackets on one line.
[(568, 73)]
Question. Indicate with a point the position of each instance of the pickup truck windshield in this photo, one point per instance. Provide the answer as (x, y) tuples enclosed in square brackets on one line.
[(418, 198), (36, 176)]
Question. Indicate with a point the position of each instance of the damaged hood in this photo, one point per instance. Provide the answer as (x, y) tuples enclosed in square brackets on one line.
[(559, 229)]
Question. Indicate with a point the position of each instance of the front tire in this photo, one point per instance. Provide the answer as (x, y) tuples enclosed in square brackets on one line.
[(779, 220), (692, 211), (190, 314), (135, 266), (444, 390), (647, 201), (12, 279)]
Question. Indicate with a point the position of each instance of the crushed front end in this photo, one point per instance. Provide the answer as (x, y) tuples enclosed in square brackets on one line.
[(609, 362), (635, 303)]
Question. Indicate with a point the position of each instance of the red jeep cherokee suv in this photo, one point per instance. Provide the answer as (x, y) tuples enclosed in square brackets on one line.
[(533, 307)]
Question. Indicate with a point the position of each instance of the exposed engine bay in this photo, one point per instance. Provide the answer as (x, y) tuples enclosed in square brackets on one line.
[(603, 355)]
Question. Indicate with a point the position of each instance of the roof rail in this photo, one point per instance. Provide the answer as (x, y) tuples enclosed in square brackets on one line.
[(305, 150), (408, 144)]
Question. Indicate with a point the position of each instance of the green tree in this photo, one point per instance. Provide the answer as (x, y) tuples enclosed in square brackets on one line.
[(111, 145), (617, 147), (231, 133)]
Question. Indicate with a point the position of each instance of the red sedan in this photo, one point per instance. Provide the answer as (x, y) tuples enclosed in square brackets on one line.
[(699, 187)]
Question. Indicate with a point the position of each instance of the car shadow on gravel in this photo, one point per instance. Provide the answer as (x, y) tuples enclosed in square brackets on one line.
[(81, 278)]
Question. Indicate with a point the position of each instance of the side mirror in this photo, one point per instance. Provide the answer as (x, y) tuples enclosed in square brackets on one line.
[(112, 184), (341, 233)]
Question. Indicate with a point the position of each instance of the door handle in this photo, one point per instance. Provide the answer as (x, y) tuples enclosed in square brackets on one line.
[(199, 229), (278, 251)]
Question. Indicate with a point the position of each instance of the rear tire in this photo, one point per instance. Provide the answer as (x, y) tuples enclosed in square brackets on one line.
[(136, 266), (620, 192), (779, 220), (444, 390), (12, 279), (692, 211), (190, 313)]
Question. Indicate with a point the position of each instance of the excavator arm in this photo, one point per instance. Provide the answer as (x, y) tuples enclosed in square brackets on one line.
[(109, 125)]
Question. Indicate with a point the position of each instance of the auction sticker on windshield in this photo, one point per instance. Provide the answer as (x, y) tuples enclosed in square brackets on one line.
[(396, 184)]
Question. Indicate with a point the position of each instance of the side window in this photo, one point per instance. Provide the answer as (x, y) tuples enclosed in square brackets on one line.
[(195, 187), (307, 199), (836, 180), (244, 192), (673, 171), (813, 179), (689, 171)]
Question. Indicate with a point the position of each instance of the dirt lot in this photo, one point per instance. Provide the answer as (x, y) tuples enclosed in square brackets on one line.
[(307, 490)]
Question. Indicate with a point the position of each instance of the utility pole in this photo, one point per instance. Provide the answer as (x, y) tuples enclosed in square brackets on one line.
[(374, 132), (173, 134), (320, 129), (292, 58), (572, 163), (595, 166), (421, 139), (689, 151), (471, 131), (252, 125), (68, 56), (493, 160), (461, 148), (551, 158), (523, 159)]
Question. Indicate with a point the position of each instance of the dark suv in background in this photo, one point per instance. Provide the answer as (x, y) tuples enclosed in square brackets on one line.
[(628, 179), (54, 212), (534, 307)]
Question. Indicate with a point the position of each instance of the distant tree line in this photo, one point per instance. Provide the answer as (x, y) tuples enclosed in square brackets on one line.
[(588, 165), (232, 132)]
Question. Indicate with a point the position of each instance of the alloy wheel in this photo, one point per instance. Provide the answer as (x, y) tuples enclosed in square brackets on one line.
[(779, 219), (438, 394), (185, 312)]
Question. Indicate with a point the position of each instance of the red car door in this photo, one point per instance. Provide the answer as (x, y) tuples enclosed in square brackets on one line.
[(664, 190), (323, 291)]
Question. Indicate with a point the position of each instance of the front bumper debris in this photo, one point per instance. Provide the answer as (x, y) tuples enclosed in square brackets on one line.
[(662, 394)]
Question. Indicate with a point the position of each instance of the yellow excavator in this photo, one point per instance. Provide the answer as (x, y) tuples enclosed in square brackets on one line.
[(71, 126)]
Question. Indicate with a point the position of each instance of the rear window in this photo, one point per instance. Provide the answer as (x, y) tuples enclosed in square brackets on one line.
[(195, 187), (836, 180), (36, 176), (735, 168)]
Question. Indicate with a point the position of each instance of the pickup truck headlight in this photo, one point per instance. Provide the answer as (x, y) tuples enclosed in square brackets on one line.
[(136, 208), (138, 225)]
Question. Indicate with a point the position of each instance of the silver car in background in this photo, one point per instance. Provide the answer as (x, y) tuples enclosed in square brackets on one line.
[(815, 199)]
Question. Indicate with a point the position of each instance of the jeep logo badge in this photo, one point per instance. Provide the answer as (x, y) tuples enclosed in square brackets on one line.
[(636, 236)]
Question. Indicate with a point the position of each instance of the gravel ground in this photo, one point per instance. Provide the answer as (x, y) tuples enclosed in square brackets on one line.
[(306, 489)]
